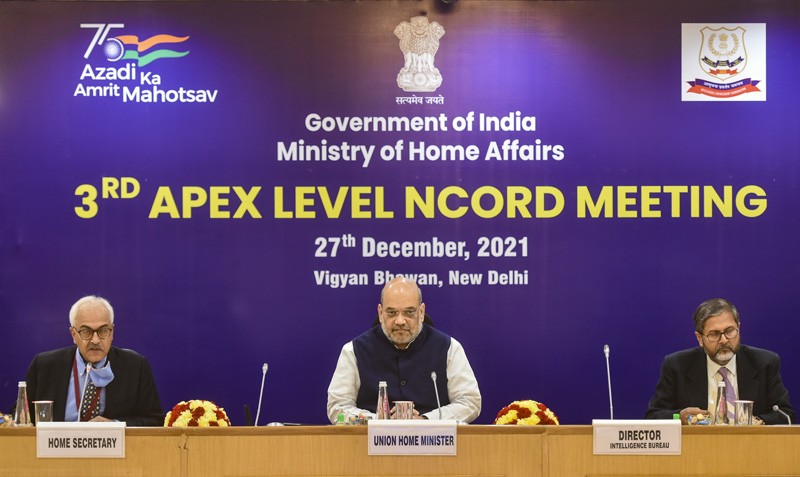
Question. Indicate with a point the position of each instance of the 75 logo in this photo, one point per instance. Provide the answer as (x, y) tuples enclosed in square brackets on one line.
[(112, 48)]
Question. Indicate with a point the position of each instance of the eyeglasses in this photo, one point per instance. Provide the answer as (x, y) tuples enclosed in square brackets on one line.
[(410, 313), (86, 333), (715, 336)]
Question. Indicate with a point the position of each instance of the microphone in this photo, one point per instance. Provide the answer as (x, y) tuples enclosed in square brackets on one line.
[(607, 351), (777, 409), (83, 393), (264, 368), (436, 389)]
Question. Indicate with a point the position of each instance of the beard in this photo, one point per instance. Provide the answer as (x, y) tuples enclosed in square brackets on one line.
[(401, 336), (724, 354)]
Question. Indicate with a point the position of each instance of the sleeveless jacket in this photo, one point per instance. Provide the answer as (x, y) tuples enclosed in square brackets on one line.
[(407, 372)]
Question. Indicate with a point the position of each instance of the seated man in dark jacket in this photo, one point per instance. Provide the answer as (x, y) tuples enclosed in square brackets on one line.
[(92, 380), (689, 378)]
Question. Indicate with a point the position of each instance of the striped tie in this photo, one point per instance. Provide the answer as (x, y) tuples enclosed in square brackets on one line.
[(730, 394)]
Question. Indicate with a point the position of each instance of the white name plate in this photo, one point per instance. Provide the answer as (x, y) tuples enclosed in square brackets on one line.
[(411, 437), (80, 439), (637, 437)]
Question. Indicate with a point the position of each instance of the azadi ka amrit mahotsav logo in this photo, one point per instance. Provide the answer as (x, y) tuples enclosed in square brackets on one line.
[(133, 81)]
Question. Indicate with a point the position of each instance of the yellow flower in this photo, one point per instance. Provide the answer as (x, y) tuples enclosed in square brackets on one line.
[(196, 412), (526, 413)]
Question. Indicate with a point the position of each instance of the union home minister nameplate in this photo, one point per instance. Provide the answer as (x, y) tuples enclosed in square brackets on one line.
[(637, 437), (103, 440), (411, 437)]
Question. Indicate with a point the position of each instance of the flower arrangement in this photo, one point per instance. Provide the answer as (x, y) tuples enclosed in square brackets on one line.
[(6, 420), (196, 413), (526, 413)]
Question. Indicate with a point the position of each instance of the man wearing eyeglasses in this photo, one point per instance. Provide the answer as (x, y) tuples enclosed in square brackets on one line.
[(689, 378), (404, 351), (93, 380)]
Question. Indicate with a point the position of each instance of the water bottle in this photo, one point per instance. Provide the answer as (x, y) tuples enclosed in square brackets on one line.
[(721, 409), (382, 411), (22, 413)]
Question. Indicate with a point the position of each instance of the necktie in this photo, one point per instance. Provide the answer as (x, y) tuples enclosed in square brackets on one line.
[(90, 406), (730, 394)]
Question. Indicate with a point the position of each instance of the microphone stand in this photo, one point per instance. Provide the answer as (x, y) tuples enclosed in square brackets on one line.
[(778, 409), (607, 351), (436, 389), (264, 368)]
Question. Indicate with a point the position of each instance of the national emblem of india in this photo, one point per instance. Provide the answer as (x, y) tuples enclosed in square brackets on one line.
[(419, 41)]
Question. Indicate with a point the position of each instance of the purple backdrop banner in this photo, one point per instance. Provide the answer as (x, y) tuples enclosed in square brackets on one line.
[(239, 179)]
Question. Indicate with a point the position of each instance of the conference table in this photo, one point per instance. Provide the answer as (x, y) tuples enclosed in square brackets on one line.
[(529, 451)]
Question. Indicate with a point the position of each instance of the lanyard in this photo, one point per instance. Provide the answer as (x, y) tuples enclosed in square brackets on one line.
[(78, 392)]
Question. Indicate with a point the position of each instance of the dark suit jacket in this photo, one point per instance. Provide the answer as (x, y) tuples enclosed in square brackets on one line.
[(131, 396), (684, 383)]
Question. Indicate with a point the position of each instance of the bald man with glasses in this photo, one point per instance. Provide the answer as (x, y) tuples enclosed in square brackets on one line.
[(689, 378), (93, 380)]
